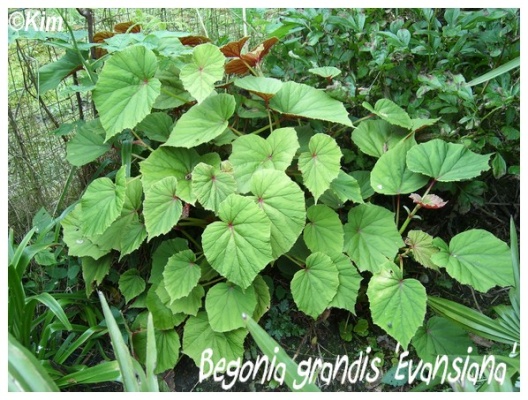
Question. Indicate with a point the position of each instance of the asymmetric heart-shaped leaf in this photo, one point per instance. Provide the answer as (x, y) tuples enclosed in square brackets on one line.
[(52, 74), (87, 144), (172, 93), (346, 187), (102, 203), (323, 231), (283, 202), (440, 336), (305, 101), (226, 302), (162, 208), (79, 244), (94, 271), (349, 283), (422, 248), (325, 72), (126, 89), (206, 68), (377, 137), (371, 237), (189, 304), (163, 317), (477, 258), (389, 111), (314, 286), (203, 122), (263, 296), (321, 164), (211, 185), (164, 162), (261, 86), (167, 348), (162, 254), (156, 126), (198, 336), (238, 246), (446, 162), (131, 284), (252, 153), (390, 174), (397, 305), (181, 274)]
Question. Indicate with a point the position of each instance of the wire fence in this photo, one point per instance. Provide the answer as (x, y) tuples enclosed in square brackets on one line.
[(39, 175)]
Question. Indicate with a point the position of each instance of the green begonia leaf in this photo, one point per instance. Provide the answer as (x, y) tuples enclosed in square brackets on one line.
[(181, 274), (164, 162), (167, 348), (323, 231), (226, 302), (206, 68), (87, 144), (440, 336), (264, 87), (397, 305), (156, 126), (162, 254), (163, 317), (422, 248), (349, 283), (392, 113), (346, 187), (203, 122), (390, 174), (79, 244), (283, 202), (252, 153), (446, 162), (102, 203), (52, 74), (94, 271), (263, 296), (172, 94), (305, 101), (211, 185), (126, 89), (376, 137), (198, 336), (162, 208), (321, 164), (238, 246), (131, 284), (371, 237), (325, 72), (314, 286), (189, 304), (477, 258), (363, 179)]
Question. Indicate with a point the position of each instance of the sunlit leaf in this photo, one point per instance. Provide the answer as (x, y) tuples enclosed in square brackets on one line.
[(324, 230), (162, 207), (226, 302), (238, 246)]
